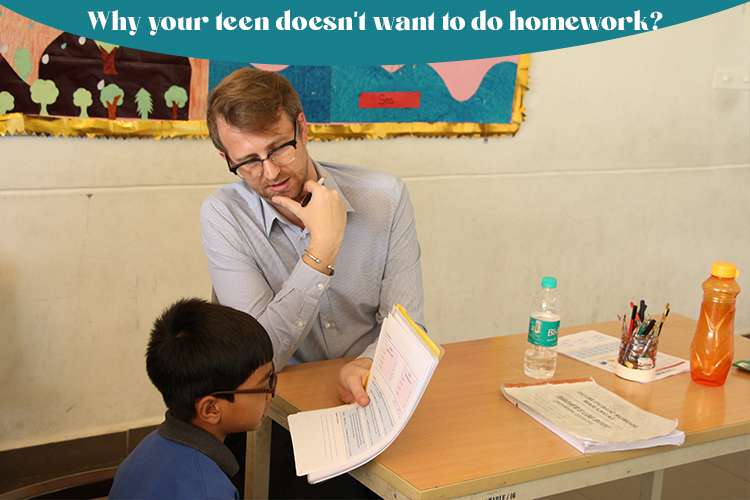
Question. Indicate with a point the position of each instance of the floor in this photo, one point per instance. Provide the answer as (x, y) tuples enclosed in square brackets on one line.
[(723, 478)]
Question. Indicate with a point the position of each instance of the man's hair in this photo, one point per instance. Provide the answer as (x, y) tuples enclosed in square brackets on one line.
[(251, 100), (197, 348)]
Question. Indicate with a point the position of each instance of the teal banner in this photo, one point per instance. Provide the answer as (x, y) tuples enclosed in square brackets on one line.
[(363, 33)]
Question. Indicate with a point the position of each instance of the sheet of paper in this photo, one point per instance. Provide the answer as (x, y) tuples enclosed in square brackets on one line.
[(338, 439), (336, 435), (600, 350), (589, 412)]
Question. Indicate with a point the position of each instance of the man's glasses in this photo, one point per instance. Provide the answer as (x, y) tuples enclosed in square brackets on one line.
[(271, 389), (279, 156)]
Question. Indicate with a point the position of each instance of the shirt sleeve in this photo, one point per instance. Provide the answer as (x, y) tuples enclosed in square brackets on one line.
[(238, 282), (402, 277)]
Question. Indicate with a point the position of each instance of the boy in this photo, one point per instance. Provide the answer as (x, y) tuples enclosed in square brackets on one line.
[(213, 366)]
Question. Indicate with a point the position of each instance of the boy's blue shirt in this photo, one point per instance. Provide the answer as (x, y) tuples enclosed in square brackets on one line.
[(178, 460)]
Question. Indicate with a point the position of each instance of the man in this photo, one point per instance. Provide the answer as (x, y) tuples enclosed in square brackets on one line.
[(317, 252)]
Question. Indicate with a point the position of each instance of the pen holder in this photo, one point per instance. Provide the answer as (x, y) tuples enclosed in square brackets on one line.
[(636, 359)]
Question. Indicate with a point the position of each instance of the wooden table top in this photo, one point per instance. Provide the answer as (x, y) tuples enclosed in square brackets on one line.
[(465, 436)]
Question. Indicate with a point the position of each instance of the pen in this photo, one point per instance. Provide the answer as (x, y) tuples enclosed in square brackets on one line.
[(665, 313), (645, 325), (308, 196), (649, 327), (632, 320), (626, 332), (623, 337), (661, 321), (642, 310), (657, 331)]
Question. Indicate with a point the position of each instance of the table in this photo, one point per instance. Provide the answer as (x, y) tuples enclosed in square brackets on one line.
[(466, 440)]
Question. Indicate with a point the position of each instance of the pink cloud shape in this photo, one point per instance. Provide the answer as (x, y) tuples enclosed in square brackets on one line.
[(462, 78)]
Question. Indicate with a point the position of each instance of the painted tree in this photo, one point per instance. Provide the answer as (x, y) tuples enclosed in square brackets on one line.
[(111, 96), (175, 97), (143, 103), (107, 52), (7, 102), (44, 93), (82, 99)]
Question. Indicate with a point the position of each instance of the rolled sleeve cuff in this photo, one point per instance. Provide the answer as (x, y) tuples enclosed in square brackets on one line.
[(311, 283)]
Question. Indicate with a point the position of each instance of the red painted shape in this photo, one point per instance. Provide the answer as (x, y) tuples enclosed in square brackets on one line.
[(389, 99)]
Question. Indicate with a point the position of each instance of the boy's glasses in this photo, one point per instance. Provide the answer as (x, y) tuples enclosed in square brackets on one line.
[(271, 389)]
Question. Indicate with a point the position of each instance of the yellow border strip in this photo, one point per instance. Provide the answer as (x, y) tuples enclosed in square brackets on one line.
[(436, 349), (20, 124)]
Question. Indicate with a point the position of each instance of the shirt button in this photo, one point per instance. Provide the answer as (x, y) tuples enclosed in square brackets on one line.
[(300, 323), (329, 324), (321, 286)]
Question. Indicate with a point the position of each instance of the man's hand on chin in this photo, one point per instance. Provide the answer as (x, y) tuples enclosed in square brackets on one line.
[(352, 380)]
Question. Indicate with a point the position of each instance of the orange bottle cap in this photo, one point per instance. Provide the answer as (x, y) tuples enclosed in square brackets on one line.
[(722, 269)]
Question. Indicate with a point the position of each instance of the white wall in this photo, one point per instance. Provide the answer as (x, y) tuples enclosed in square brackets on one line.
[(630, 175)]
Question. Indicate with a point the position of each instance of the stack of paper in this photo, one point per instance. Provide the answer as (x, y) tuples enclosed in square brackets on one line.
[(336, 440), (591, 418)]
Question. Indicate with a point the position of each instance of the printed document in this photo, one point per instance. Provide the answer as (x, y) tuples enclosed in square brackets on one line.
[(592, 418), (332, 441)]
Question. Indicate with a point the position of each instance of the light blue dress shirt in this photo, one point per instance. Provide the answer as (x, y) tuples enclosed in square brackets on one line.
[(254, 258)]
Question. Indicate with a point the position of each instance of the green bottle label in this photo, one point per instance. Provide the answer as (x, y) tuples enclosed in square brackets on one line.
[(543, 333)]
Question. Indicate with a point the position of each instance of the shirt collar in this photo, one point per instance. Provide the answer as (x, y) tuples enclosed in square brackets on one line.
[(270, 213), (181, 432)]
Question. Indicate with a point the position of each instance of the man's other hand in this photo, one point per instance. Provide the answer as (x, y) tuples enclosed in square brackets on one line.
[(352, 380)]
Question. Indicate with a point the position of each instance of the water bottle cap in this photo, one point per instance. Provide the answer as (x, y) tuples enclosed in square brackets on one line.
[(722, 269), (549, 282)]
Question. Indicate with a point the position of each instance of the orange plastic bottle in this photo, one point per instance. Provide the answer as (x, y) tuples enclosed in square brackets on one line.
[(713, 343)]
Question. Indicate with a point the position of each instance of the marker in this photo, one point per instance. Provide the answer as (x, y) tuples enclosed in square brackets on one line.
[(308, 196)]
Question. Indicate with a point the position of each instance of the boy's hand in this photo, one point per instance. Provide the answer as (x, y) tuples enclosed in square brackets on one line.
[(352, 380)]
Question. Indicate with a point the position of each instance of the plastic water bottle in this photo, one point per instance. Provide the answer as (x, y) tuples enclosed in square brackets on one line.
[(713, 343), (540, 358)]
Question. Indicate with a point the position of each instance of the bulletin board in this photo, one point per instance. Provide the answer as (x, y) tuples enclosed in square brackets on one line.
[(60, 84)]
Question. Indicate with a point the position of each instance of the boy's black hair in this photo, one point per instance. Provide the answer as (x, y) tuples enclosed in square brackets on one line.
[(197, 348)]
